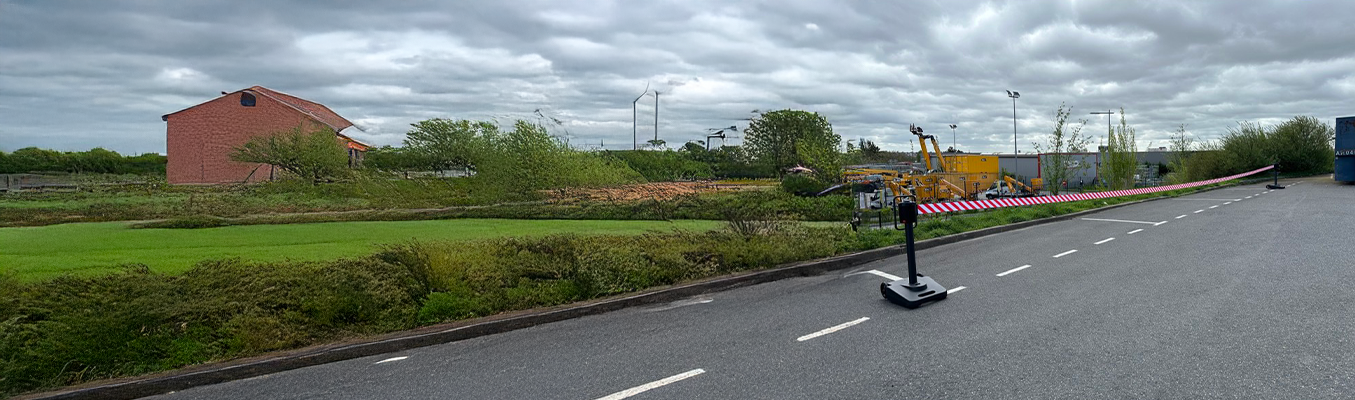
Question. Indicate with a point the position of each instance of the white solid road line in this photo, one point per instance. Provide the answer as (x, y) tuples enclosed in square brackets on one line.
[(1198, 211), (956, 289), (1103, 241), (389, 360), (1119, 220), (681, 303), (646, 387), (833, 329), (1201, 199), (1134, 231), (885, 275), (1014, 270), (1065, 253), (1180, 216)]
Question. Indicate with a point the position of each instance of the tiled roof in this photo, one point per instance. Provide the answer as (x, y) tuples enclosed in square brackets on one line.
[(312, 109), (315, 110)]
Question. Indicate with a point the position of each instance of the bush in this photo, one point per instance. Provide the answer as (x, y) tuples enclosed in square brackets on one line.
[(802, 185), (1301, 145), (74, 329), (662, 166), (190, 222)]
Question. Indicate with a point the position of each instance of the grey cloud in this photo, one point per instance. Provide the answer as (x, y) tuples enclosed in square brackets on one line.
[(79, 75)]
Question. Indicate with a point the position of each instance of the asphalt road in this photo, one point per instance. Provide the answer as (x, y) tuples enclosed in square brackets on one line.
[(1242, 293)]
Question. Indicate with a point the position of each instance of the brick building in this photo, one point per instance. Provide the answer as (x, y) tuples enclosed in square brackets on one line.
[(201, 137)]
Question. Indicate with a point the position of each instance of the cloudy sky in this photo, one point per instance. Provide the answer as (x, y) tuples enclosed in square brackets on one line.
[(81, 74)]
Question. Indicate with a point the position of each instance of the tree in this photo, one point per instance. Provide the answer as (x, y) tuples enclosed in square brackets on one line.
[(784, 139), (315, 155), (1056, 163), (869, 151), (1181, 146), (33, 159), (446, 144), (1304, 144), (1121, 156), (96, 160)]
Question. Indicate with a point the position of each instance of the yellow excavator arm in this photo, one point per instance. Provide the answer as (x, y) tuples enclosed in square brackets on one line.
[(939, 159), (1013, 183)]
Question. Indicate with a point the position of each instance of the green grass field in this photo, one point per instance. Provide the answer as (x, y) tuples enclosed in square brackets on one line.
[(44, 252)]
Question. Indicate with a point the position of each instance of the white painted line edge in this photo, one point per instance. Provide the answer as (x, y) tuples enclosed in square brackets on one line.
[(881, 274), (1117, 220), (1065, 253), (1014, 270), (1134, 231), (1103, 241), (839, 327), (390, 359), (646, 387), (956, 289)]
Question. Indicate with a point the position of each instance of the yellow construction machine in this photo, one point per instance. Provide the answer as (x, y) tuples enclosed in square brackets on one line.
[(954, 176), (950, 177)]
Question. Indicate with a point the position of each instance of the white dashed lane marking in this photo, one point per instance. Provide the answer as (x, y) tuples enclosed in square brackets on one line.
[(646, 387), (1014, 270), (839, 327)]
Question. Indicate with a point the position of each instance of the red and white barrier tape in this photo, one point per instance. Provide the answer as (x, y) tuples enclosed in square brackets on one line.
[(932, 208)]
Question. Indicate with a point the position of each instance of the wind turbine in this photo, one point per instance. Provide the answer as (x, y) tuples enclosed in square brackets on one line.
[(720, 133)]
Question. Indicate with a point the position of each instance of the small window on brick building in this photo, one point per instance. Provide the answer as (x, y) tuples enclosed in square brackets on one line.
[(246, 99)]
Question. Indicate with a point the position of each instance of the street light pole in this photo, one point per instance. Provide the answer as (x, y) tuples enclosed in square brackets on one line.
[(1016, 160), (1108, 113), (953, 146)]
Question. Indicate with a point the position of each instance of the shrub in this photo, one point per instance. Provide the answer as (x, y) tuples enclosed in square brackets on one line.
[(74, 329), (802, 185), (190, 222)]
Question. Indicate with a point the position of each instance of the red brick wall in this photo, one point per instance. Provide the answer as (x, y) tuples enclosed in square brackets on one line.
[(201, 138)]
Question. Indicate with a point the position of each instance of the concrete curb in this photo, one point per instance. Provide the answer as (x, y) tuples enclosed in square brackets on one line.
[(457, 331)]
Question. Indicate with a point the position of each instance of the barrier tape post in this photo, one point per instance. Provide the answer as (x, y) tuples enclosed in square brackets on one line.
[(918, 288), (1275, 185)]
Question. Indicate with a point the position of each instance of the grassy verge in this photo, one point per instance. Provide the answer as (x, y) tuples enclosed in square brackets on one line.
[(159, 201), (697, 207), (287, 202), (35, 253), (73, 329)]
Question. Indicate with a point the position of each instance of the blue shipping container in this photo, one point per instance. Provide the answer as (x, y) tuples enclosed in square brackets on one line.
[(1345, 149)]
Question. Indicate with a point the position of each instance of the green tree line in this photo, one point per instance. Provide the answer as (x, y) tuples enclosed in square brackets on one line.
[(1302, 145), (776, 141), (97, 160)]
